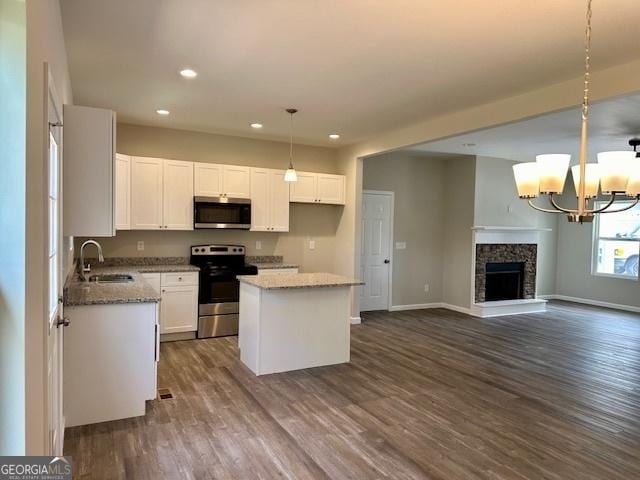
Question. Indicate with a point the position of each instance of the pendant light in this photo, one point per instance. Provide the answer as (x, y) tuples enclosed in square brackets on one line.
[(617, 174), (291, 175)]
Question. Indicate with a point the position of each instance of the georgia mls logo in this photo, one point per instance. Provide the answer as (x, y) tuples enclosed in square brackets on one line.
[(59, 466), (35, 468)]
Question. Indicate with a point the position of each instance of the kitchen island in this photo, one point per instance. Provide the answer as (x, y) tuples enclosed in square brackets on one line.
[(294, 321)]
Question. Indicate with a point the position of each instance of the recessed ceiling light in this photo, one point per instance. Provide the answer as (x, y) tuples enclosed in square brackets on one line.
[(188, 73), (162, 111), (256, 125), (334, 136)]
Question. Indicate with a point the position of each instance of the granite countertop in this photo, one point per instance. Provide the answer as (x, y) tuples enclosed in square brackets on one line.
[(266, 262), (78, 292), (271, 266), (298, 280)]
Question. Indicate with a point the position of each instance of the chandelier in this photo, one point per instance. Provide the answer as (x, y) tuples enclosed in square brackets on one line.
[(616, 174)]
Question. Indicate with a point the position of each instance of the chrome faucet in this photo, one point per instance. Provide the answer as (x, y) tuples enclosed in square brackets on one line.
[(84, 269)]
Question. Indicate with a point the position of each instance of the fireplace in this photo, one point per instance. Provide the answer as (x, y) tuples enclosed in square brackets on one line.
[(505, 271), (504, 281)]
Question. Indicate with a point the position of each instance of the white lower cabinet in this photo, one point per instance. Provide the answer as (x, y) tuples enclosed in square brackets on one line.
[(110, 355), (179, 300)]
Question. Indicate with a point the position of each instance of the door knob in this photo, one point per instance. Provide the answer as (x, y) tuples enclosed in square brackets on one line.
[(386, 260), (64, 321)]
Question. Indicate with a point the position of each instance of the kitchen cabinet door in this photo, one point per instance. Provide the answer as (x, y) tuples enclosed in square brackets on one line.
[(237, 181), (305, 189), (179, 309), (146, 193), (331, 188), (177, 195), (278, 202), (260, 179), (123, 192), (208, 179)]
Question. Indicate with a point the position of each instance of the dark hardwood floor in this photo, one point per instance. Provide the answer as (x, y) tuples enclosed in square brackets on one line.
[(428, 394)]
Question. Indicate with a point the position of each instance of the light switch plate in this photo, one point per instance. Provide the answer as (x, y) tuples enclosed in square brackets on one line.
[(140, 246), (401, 245), (258, 245), (312, 244)]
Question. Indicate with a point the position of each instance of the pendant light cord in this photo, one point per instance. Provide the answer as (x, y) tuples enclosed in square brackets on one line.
[(291, 140), (587, 62)]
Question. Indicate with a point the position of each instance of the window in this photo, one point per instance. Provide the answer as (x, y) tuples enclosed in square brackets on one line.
[(53, 226), (617, 243)]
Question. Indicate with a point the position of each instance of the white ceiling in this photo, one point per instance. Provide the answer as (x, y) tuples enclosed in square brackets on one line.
[(611, 124), (356, 67)]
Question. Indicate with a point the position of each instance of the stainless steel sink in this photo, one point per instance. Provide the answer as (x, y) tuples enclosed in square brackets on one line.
[(111, 278)]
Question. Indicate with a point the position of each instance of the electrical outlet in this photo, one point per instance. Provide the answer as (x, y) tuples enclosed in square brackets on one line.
[(312, 244), (258, 245), (401, 245), (140, 246), (510, 209), (426, 288)]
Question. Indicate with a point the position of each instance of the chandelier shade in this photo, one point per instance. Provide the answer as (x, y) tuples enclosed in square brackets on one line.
[(527, 177), (592, 179), (633, 187), (553, 170), (615, 168)]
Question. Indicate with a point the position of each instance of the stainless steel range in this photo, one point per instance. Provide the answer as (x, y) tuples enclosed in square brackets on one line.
[(219, 294)]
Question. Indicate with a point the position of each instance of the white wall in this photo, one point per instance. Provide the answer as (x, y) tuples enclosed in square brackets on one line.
[(45, 43), (573, 275), (418, 184), (459, 212), (13, 56), (497, 204)]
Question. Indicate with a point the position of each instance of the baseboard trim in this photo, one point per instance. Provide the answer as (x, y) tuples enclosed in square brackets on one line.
[(415, 306), (422, 306), (355, 320), (595, 303)]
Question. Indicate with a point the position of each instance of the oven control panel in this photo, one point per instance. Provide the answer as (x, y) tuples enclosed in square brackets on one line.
[(217, 250)]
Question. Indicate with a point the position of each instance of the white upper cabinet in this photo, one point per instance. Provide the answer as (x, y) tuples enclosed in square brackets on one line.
[(237, 181), (214, 180), (177, 193), (305, 189), (318, 188), (279, 201), (123, 192), (331, 188), (89, 171), (146, 193), (208, 179), (269, 201)]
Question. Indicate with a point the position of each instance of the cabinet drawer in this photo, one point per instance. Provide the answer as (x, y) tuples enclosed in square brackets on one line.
[(179, 278)]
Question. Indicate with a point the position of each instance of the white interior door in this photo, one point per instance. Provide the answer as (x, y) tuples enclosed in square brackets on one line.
[(375, 261), (54, 280)]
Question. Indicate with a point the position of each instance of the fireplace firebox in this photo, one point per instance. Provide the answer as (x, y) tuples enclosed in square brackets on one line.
[(504, 281)]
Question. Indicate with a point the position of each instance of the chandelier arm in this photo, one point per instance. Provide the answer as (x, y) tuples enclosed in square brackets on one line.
[(558, 207), (540, 209), (609, 203), (628, 207)]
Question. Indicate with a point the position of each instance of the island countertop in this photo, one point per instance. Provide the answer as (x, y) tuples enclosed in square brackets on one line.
[(298, 280)]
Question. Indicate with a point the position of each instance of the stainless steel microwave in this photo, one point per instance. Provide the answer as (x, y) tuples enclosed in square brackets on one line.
[(221, 212)]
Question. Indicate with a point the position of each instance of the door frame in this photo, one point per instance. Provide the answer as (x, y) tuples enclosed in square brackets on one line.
[(392, 214), (52, 101)]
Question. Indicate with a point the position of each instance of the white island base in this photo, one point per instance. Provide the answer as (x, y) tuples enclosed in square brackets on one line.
[(285, 329)]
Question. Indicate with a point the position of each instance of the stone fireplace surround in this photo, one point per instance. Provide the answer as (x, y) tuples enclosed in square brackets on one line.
[(505, 240), (503, 253)]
